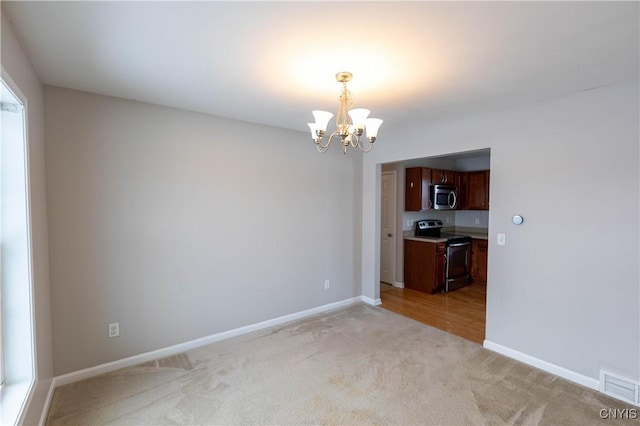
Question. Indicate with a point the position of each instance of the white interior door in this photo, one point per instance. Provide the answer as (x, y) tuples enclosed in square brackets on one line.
[(388, 228)]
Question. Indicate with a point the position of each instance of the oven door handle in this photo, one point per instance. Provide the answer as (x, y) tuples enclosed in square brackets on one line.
[(457, 245)]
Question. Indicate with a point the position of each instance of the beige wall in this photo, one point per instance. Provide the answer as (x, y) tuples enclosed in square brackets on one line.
[(180, 225), (565, 289), (17, 68)]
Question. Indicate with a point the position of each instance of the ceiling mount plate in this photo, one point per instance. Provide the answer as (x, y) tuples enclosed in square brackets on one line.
[(344, 76)]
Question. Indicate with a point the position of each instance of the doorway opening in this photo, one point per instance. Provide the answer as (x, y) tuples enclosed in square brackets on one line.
[(462, 311)]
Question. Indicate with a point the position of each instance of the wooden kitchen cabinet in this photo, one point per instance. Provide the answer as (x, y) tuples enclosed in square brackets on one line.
[(417, 195), (441, 267), (461, 182), (473, 188), (424, 266), (479, 255), (442, 177), (477, 190)]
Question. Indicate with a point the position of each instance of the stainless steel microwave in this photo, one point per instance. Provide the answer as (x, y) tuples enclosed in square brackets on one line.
[(444, 197)]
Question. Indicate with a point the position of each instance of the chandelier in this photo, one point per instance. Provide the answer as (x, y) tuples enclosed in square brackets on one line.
[(348, 131)]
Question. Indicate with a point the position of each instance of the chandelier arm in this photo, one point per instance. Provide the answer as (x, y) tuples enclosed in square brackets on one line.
[(322, 149), (325, 146), (333, 135), (363, 149)]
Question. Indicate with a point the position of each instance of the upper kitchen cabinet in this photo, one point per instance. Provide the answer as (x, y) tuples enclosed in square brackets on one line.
[(461, 180), (442, 177), (477, 190), (417, 196)]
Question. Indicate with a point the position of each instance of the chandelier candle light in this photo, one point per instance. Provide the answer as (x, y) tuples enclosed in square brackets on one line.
[(349, 132)]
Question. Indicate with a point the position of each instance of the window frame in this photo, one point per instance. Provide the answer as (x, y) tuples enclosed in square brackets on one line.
[(16, 394)]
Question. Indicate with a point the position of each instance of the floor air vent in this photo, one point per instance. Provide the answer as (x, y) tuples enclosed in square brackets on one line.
[(620, 387)]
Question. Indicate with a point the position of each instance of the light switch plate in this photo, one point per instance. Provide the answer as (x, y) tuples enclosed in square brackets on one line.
[(502, 239)]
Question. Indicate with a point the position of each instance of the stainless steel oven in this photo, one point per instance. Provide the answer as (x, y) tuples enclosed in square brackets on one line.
[(458, 257)]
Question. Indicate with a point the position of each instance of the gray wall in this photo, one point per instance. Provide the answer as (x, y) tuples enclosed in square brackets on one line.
[(17, 67), (179, 225), (565, 288)]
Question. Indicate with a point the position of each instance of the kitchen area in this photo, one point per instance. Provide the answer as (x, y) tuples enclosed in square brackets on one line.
[(440, 272)]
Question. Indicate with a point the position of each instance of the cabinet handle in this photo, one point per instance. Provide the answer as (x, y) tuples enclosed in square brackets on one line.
[(389, 235), (411, 184)]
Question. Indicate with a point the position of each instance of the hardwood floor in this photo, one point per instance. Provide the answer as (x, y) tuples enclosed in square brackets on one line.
[(460, 312)]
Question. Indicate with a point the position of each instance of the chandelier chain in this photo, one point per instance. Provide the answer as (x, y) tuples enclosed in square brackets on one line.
[(346, 102)]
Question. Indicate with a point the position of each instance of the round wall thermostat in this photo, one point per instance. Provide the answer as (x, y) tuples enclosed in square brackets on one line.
[(517, 220)]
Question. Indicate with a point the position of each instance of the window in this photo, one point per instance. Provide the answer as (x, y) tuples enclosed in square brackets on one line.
[(17, 366)]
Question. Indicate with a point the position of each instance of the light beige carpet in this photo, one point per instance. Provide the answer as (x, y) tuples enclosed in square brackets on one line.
[(358, 365)]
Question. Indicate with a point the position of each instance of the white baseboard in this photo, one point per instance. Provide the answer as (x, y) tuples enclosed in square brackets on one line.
[(183, 347), (87, 373), (47, 402), (370, 301), (544, 365), (398, 284)]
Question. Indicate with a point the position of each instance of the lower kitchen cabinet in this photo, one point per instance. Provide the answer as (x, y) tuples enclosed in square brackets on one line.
[(424, 266), (479, 254), (441, 267)]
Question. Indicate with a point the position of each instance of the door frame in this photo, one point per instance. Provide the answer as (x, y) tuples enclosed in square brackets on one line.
[(393, 246)]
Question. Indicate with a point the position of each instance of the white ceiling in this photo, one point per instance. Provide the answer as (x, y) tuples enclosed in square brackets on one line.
[(273, 62)]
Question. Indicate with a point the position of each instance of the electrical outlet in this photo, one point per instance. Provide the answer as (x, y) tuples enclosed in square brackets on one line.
[(326, 284), (477, 221), (502, 239), (114, 329)]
